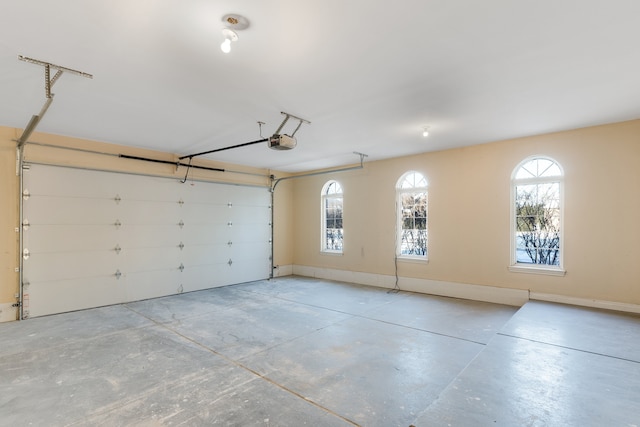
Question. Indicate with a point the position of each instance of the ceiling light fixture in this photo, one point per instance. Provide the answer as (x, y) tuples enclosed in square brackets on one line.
[(233, 23), (425, 131), (229, 36)]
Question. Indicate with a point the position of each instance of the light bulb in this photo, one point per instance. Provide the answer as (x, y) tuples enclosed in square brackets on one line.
[(226, 46), (425, 132)]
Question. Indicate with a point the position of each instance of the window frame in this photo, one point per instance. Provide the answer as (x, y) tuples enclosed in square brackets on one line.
[(544, 269), (324, 196), (400, 191)]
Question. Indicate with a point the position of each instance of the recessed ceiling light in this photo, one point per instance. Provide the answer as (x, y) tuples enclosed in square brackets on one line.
[(425, 131)]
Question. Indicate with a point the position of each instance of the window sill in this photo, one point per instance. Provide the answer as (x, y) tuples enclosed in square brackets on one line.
[(548, 271), (331, 253), (413, 260)]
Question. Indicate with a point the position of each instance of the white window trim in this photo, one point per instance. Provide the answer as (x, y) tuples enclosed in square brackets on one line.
[(547, 271), (332, 252), (413, 259), (541, 269), (418, 259), (323, 216)]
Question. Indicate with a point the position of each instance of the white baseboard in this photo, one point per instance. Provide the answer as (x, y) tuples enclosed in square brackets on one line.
[(586, 302), (493, 294), (282, 270), (508, 296), (8, 313)]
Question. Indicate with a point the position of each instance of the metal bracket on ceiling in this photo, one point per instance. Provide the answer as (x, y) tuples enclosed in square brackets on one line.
[(288, 116), (48, 84), (362, 157)]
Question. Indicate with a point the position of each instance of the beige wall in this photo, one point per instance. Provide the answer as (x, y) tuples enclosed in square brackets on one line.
[(469, 219), (9, 188)]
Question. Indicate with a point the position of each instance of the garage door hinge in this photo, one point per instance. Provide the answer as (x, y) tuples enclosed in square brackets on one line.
[(18, 304)]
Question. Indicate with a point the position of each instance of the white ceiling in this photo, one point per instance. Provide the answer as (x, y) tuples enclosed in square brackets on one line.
[(367, 74)]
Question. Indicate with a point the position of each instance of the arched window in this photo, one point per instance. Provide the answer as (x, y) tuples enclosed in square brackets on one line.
[(332, 231), (411, 213), (536, 214)]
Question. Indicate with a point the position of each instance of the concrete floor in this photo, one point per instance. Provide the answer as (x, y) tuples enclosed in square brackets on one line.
[(298, 351)]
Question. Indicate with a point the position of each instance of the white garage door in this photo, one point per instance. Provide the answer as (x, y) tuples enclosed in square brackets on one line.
[(95, 238)]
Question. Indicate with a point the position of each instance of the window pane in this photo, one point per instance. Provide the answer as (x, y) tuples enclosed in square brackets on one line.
[(413, 242), (548, 168), (334, 188), (538, 168), (526, 171), (413, 180), (407, 200), (334, 239), (538, 248), (526, 194)]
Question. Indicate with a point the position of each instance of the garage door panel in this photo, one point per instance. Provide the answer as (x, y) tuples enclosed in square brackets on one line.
[(152, 284), (248, 214), (247, 271), (147, 259), (150, 212), (249, 251), (51, 266), (203, 193), (244, 195), (207, 276), (205, 213), (205, 254), (136, 187), (97, 238), (70, 238), (68, 182), (43, 298), (69, 210), (213, 230), (131, 236), (203, 235), (252, 233)]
